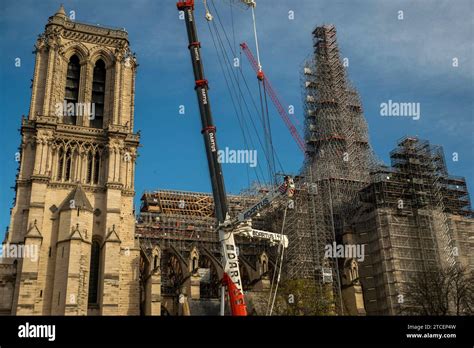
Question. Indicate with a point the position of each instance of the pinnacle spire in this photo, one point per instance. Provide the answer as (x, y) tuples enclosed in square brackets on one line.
[(61, 12)]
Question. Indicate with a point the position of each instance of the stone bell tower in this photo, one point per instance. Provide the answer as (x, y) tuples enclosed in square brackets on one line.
[(75, 186)]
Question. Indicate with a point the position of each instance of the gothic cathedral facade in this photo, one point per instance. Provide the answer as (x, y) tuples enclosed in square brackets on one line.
[(75, 185)]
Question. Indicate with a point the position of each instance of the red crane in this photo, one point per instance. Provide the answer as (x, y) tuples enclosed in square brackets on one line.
[(230, 261), (227, 227), (271, 92)]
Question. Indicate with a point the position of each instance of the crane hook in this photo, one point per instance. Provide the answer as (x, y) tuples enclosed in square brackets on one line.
[(208, 16)]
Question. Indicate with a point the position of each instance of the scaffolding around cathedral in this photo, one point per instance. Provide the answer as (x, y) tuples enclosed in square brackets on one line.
[(414, 217), (402, 213), (179, 227), (418, 181), (185, 218), (343, 189), (337, 166)]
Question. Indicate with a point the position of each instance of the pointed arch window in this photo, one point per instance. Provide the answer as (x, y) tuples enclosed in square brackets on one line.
[(94, 273), (89, 167), (60, 164), (71, 94), (96, 168), (68, 165), (98, 94), (64, 172)]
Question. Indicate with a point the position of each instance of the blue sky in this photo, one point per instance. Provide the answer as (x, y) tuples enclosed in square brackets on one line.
[(407, 60)]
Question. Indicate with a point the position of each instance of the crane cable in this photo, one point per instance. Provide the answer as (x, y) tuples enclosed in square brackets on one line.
[(265, 121), (240, 97), (265, 115), (230, 87), (266, 134), (222, 47), (270, 151), (278, 265), (270, 137), (255, 35), (226, 70), (267, 131)]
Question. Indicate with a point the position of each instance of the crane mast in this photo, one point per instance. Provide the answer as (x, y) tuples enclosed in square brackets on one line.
[(230, 262), (242, 224)]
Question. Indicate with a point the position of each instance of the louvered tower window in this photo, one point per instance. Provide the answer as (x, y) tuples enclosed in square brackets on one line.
[(98, 94), (71, 94)]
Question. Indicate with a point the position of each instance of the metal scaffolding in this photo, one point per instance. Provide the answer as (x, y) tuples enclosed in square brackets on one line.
[(411, 216), (406, 219), (184, 215), (182, 220), (337, 166)]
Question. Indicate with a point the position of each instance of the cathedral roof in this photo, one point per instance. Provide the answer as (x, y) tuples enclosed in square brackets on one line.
[(71, 24), (76, 199)]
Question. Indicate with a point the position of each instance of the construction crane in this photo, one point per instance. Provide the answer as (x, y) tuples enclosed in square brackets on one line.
[(288, 188), (273, 95), (227, 227)]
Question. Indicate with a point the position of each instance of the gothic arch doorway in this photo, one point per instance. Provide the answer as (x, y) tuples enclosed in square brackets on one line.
[(210, 282), (173, 275)]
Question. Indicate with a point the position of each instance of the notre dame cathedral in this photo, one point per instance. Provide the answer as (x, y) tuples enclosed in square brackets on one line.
[(75, 184), (75, 191), (95, 253)]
